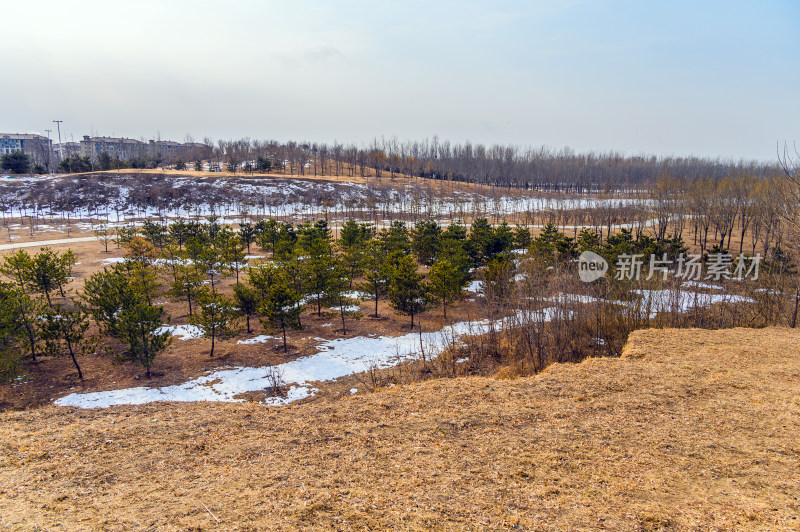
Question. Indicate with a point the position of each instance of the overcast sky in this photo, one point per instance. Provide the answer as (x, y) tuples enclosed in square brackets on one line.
[(710, 78)]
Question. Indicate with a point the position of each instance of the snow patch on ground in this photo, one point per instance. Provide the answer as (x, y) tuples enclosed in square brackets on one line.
[(347, 308), (260, 339), (698, 284), (113, 260), (334, 359), (666, 301), (185, 332), (476, 287)]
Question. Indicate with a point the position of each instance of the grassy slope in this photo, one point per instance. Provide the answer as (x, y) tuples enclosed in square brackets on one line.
[(691, 430)]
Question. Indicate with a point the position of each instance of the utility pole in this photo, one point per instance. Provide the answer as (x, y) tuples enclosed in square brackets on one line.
[(50, 150), (60, 146)]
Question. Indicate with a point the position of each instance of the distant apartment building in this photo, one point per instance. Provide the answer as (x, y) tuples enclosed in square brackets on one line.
[(126, 149), (37, 147), (69, 149), (121, 148)]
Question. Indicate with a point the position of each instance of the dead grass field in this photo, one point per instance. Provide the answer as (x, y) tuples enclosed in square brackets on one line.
[(690, 430)]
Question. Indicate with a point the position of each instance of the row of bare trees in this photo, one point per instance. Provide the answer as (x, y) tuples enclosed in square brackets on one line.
[(501, 165)]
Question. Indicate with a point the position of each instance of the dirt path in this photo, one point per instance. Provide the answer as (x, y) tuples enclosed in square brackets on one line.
[(42, 243)]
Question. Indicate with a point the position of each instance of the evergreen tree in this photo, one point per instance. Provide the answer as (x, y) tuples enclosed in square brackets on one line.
[(105, 294), (395, 239), (27, 311), (425, 241), (18, 267), (447, 282), (267, 234), (247, 301), (11, 334), (156, 234), (217, 317), (247, 234), (408, 293), (281, 306), (522, 238), (64, 332), (178, 232), (104, 161), (186, 283), (231, 251), (17, 162), (46, 273), (377, 272), (353, 242), (137, 326), (480, 243), (318, 261), (338, 285)]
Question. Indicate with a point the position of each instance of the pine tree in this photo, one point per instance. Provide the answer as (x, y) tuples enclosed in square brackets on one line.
[(425, 241), (281, 306), (64, 332), (247, 234), (247, 301), (46, 273), (11, 334), (105, 294), (137, 326), (217, 317), (408, 293), (18, 267), (447, 282), (354, 243), (377, 272), (338, 285), (231, 251), (318, 260)]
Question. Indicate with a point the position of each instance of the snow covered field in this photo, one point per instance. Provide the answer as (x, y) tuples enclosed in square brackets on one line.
[(122, 199)]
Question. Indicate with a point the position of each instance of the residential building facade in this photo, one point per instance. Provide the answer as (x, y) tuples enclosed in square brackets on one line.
[(39, 148)]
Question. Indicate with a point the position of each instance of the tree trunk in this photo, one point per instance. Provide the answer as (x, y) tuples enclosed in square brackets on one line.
[(213, 337), (341, 311), (74, 361)]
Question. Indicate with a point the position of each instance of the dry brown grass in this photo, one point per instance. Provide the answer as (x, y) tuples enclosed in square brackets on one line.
[(690, 430)]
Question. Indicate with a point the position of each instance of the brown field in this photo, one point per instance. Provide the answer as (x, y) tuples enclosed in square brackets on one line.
[(690, 430)]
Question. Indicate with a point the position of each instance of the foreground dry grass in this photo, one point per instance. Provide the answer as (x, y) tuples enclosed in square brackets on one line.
[(690, 430)]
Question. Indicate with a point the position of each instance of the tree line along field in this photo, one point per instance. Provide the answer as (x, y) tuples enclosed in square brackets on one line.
[(529, 292), (740, 212)]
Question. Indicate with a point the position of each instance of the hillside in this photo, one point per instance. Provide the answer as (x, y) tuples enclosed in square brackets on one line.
[(691, 429)]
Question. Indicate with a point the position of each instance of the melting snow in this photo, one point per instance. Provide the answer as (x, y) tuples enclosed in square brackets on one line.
[(260, 339), (186, 332), (336, 358), (476, 287)]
